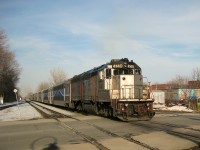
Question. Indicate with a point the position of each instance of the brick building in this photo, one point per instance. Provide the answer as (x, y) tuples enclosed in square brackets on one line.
[(194, 84), (163, 86)]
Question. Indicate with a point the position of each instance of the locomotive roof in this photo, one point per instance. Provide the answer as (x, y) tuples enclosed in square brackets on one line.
[(89, 73), (94, 71), (99, 68)]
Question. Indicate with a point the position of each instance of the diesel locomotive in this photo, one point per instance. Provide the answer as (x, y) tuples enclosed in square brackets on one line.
[(113, 89)]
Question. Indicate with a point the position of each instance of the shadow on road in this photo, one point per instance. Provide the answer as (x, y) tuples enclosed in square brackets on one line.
[(47, 143)]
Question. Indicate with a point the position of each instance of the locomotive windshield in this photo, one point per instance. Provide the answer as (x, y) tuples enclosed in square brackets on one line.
[(123, 71), (126, 71)]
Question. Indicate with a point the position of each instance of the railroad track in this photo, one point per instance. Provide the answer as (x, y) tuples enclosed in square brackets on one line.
[(179, 114), (176, 130), (55, 115), (176, 126), (188, 117)]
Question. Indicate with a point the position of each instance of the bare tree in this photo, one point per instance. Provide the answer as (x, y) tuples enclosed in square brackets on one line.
[(196, 74), (57, 76), (9, 69), (43, 85), (179, 80)]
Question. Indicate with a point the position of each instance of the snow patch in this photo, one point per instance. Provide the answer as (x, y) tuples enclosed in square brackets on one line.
[(19, 112), (173, 108)]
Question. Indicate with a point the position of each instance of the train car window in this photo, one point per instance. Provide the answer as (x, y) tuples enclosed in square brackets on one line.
[(108, 73), (59, 87)]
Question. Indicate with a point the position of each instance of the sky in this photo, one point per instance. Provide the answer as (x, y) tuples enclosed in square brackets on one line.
[(162, 37)]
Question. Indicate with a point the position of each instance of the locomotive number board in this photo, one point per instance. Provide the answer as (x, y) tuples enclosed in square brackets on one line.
[(122, 66)]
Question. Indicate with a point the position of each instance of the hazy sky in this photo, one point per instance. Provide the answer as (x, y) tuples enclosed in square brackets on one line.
[(161, 36)]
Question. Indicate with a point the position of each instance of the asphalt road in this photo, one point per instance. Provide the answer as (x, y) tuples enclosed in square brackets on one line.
[(94, 132), (40, 134)]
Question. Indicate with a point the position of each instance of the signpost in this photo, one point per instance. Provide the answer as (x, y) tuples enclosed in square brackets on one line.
[(15, 91)]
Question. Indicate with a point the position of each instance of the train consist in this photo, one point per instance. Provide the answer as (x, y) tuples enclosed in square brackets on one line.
[(114, 89)]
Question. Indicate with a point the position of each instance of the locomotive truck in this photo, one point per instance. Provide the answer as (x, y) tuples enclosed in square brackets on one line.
[(113, 89)]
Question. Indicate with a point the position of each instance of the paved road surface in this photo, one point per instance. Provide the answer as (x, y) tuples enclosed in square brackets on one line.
[(57, 134), (39, 134)]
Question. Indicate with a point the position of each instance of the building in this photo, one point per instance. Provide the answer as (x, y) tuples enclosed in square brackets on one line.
[(164, 86), (194, 84), (158, 96)]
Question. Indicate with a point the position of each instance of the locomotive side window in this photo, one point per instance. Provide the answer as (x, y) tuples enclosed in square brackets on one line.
[(137, 71), (108, 73)]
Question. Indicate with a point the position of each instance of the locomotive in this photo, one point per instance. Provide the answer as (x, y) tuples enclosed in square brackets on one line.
[(113, 89)]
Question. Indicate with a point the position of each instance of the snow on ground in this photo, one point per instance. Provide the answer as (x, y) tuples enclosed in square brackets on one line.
[(178, 108), (173, 108), (23, 111)]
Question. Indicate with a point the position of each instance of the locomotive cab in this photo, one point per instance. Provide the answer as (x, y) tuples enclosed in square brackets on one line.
[(124, 80)]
